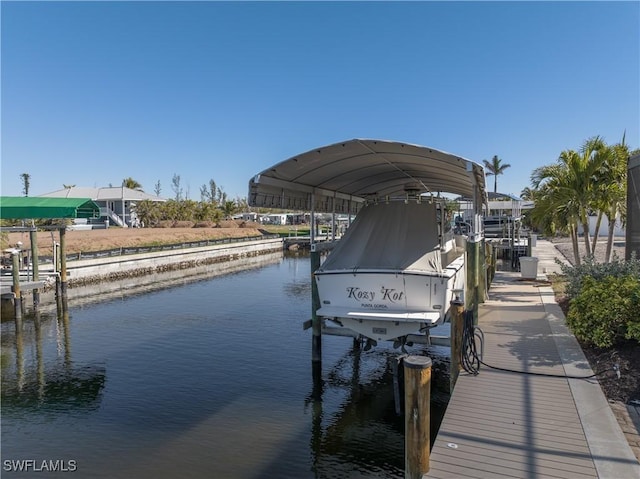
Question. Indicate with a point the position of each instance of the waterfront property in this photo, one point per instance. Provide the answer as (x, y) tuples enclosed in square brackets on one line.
[(117, 204)]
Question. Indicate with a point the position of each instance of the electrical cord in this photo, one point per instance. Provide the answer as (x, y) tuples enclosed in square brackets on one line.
[(471, 361)]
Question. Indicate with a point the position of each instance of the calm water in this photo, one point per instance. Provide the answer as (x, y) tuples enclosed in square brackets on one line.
[(210, 378)]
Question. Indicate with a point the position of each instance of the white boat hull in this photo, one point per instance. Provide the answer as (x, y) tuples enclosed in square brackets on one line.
[(384, 305)]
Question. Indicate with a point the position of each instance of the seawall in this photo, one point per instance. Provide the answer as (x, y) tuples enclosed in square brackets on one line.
[(87, 271)]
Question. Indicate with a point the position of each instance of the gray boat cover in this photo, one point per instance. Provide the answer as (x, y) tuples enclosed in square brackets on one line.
[(389, 236)]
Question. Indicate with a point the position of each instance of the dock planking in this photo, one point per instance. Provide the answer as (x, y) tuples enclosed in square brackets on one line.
[(503, 424)]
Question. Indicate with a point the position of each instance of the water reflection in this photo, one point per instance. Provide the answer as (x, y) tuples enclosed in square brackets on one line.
[(366, 429), (211, 378), (61, 386)]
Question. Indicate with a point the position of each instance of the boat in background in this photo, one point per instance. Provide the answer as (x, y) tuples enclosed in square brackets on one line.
[(394, 272)]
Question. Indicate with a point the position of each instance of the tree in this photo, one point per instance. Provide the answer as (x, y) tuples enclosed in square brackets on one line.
[(175, 186), (242, 204), (613, 192), (157, 189), (228, 208), (213, 194), (495, 167), (554, 211), (68, 187), (131, 184), (527, 193), (584, 170), (25, 183), (208, 192), (149, 212), (568, 190)]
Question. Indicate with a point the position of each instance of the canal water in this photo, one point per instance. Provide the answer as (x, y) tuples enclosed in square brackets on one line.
[(211, 378)]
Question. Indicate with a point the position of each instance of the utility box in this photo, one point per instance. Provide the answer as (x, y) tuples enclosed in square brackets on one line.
[(529, 267)]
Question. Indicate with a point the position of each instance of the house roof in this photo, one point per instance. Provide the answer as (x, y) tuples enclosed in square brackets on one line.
[(103, 194), (25, 207), (351, 172)]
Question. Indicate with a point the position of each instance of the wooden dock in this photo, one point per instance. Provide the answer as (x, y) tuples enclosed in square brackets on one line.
[(6, 287), (510, 425)]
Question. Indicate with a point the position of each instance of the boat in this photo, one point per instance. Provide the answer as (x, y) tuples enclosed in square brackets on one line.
[(394, 272)]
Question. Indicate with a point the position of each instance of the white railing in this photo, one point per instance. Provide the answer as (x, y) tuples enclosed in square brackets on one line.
[(108, 212)]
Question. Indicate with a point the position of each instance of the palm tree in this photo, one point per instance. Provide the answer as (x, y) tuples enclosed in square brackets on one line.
[(570, 187), (555, 210), (228, 208), (614, 190), (527, 193), (495, 167), (131, 184)]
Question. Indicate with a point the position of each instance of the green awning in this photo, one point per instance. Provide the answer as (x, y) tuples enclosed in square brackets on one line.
[(25, 207)]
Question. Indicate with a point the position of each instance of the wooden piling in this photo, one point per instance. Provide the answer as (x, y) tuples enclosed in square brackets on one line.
[(472, 272), (482, 272), (417, 415), (457, 323), (63, 262), (17, 294), (491, 263), (33, 238), (316, 323), (20, 374)]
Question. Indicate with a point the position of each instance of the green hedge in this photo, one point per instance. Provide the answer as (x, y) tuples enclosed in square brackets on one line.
[(606, 309)]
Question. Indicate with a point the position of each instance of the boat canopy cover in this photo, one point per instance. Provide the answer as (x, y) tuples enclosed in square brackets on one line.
[(29, 207), (389, 236), (342, 177)]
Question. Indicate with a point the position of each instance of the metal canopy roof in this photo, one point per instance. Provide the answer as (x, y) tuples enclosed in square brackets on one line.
[(343, 176), (26, 207)]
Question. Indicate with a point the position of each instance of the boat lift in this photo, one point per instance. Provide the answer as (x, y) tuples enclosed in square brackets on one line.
[(343, 177)]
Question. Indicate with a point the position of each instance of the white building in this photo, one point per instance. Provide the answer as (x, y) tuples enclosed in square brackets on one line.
[(116, 203)]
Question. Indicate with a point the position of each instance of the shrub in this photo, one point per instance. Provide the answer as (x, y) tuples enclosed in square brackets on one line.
[(228, 224), (606, 310), (591, 269), (183, 224), (204, 224)]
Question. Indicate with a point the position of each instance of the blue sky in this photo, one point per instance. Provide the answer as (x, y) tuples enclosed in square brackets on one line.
[(94, 92)]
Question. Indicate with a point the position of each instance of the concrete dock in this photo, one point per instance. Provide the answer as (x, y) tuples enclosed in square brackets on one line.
[(503, 424)]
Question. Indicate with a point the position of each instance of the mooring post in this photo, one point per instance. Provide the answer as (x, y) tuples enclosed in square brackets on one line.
[(17, 294), (19, 354), (64, 319), (33, 238), (417, 415), (482, 272), (457, 322), (63, 262), (316, 324), (472, 271), (491, 264), (58, 297)]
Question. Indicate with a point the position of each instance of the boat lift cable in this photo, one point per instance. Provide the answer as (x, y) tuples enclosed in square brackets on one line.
[(471, 360)]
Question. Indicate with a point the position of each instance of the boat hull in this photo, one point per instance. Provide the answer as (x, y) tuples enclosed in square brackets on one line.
[(384, 305)]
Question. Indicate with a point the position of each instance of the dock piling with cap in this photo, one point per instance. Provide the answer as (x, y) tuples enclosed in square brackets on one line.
[(417, 415)]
